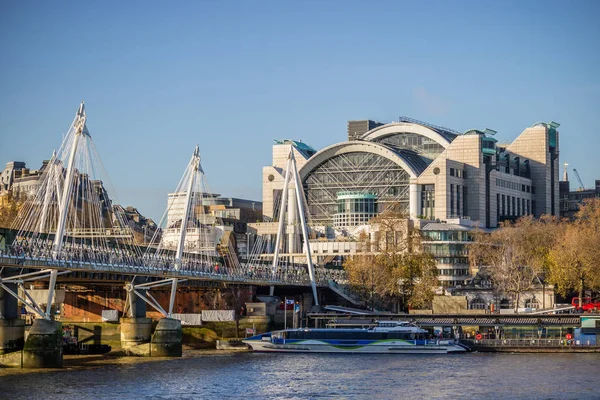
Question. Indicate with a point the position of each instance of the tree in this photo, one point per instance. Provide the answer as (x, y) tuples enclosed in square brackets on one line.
[(10, 206), (515, 256), (575, 257), (416, 276), (391, 266), (364, 276)]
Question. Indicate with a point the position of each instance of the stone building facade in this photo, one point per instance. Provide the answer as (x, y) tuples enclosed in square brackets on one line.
[(448, 182)]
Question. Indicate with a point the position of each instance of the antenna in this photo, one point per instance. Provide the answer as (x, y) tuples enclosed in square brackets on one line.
[(565, 174)]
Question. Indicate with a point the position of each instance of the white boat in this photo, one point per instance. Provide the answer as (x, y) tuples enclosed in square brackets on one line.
[(390, 337)]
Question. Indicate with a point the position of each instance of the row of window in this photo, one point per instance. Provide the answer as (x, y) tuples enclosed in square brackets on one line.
[(458, 208), (446, 250), (459, 173), (352, 219), (452, 260), (326, 251), (453, 272), (514, 186), (357, 205), (511, 206), (480, 304), (448, 236), (416, 142)]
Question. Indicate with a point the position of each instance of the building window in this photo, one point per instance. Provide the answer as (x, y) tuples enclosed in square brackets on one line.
[(532, 303), (505, 304), (523, 207), (451, 199), (503, 205), (477, 304), (497, 205), (465, 210), (458, 200), (518, 207), (428, 201), (513, 209), (451, 171)]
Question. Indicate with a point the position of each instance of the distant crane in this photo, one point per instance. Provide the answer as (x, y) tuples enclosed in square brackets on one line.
[(580, 188)]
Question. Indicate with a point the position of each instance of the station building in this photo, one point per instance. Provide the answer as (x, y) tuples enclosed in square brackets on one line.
[(448, 182)]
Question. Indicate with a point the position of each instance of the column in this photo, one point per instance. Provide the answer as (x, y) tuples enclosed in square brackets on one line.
[(415, 200)]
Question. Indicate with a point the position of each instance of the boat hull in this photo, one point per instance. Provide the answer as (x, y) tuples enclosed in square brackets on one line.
[(316, 346)]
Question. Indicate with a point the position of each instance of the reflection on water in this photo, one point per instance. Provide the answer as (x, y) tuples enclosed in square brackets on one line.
[(306, 376)]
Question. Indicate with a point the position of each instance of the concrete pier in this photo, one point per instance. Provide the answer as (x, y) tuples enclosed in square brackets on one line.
[(167, 339), (12, 329), (136, 331), (135, 336), (43, 347), (12, 334)]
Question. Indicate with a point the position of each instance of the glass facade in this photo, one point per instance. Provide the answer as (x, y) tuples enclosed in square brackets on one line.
[(358, 172), (415, 142), (449, 248), (355, 208), (428, 201)]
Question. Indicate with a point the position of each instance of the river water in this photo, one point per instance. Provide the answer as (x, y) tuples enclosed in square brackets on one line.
[(308, 376)]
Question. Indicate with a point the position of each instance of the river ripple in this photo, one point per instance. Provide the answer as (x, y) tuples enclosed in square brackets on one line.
[(308, 376)]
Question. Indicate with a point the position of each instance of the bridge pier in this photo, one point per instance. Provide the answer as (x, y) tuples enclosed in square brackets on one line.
[(135, 336), (12, 329), (167, 339), (136, 330), (43, 347)]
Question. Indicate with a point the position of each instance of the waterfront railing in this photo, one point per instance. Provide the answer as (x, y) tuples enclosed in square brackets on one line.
[(528, 343)]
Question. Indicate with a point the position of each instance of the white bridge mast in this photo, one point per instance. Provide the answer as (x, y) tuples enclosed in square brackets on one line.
[(293, 171), (194, 165)]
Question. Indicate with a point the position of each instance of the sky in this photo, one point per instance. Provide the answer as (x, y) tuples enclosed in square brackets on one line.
[(160, 77)]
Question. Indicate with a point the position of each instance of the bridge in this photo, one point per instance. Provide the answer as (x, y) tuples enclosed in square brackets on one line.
[(70, 224)]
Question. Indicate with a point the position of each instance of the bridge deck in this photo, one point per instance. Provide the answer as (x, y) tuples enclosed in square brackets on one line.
[(222, 275)]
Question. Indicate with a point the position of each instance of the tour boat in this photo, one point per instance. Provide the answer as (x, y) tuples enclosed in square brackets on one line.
[(391, 337)]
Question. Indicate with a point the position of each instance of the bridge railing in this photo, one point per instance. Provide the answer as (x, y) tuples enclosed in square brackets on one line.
[(533, 342), (89, 258)]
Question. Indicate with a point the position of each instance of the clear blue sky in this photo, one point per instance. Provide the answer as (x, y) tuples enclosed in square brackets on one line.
[(159, 77)]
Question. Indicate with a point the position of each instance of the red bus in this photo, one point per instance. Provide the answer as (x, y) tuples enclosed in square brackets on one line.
[(588, 305)]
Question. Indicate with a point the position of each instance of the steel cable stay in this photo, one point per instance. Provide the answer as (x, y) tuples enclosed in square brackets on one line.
[(71, 223)]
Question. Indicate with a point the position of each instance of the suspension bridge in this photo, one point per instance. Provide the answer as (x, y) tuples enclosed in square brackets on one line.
[(71, 224)]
